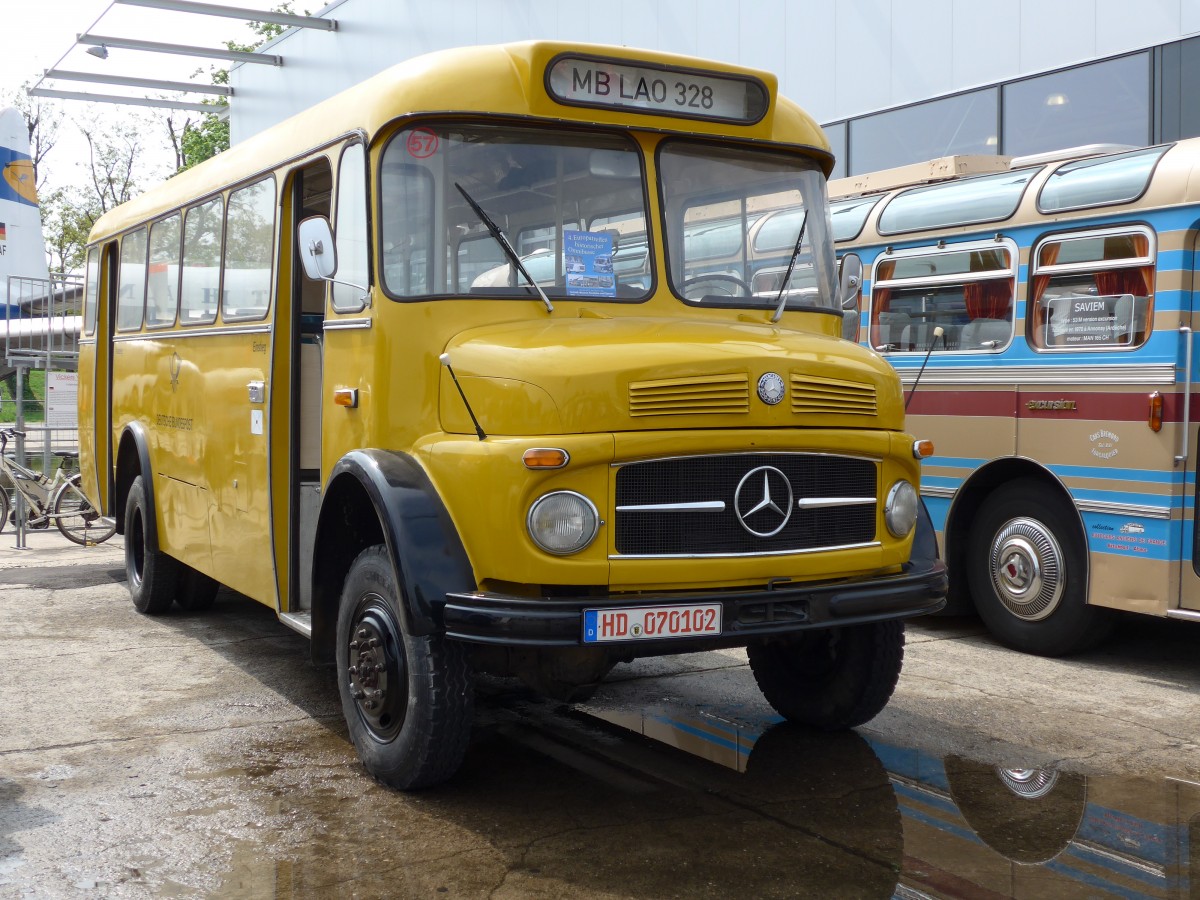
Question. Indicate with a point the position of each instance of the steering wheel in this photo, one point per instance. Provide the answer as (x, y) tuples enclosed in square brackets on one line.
[(717, 283)]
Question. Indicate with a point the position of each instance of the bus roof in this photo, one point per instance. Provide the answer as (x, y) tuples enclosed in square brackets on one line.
[(497, 79)]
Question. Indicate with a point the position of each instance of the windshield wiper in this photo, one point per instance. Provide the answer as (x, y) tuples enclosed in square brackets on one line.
[(495, 231), (781, 298)]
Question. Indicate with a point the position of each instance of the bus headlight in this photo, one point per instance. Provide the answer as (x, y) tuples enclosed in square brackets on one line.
[(563, 522), (900, 511)]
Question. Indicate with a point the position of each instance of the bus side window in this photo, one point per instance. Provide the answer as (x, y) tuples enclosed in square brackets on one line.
[(1092, 290), (249, 251), (162, 292), (131, 284), (351, 230), (200, 282)]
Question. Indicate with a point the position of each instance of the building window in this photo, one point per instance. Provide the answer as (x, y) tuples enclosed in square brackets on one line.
[(1102, 103), (962, 124)]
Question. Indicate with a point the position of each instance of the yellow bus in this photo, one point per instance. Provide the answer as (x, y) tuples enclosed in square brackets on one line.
[(1040, 311), (513, 423)]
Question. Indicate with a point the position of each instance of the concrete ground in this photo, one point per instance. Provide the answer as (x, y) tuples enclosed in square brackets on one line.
[(195, 755)]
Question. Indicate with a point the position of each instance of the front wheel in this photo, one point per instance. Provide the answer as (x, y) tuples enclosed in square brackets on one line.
[(76, 518), (152, 575), (407, 699), (831, 678), (1027, 569)]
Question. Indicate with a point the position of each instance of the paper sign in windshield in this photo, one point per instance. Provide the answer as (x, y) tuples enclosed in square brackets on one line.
[(587, 258), (1087, 321)]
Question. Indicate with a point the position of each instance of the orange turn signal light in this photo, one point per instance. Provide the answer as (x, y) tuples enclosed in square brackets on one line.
[(347, 397), (1156, 408), (923, 449), (545, 458)]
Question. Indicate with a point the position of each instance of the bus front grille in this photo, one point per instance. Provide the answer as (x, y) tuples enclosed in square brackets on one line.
[(745, 504), (814, 395)]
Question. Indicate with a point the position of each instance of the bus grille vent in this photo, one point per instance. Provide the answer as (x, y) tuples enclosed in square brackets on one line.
[(713, 505), (706, 395), (813, 395)]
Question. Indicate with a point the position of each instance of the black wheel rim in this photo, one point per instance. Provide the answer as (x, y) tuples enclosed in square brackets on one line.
[(376, 674)]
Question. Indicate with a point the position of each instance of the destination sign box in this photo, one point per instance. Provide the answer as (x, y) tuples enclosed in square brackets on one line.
[(588, 81)]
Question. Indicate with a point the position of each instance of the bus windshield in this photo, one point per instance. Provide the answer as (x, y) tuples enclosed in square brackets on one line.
[(573, 207), (738, 220)]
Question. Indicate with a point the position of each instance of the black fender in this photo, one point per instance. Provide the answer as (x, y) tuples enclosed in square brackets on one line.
[(424, 548), (135, 433), (925, 545)]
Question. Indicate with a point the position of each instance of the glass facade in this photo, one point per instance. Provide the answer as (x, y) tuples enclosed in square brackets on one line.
[(1136, 99)]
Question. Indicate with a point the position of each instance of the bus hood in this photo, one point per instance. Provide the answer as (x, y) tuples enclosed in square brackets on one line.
[(575, 376)]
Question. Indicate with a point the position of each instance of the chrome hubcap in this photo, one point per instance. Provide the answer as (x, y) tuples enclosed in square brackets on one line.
[(1026, 566)]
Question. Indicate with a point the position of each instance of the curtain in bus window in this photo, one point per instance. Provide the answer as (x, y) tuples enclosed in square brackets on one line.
[(1115, 282), (1047, 256), (249, 251), (988, 299)]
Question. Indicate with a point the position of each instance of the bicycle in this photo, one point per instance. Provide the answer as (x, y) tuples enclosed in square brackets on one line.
[(59, 499)]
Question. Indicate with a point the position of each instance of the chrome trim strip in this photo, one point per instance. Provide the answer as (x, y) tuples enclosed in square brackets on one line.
[(932, 491), (301, 622), (1189, 337), (617, 556), (1124, 509), (638, 462), (347, 324), (1076, 376), (700, 506), (192, 332), (830, 502), (86, 342), (1188, 614)]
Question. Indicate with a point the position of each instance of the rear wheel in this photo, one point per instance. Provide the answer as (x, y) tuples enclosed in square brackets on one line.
[(1027, 568), (407, 699), (76, 518), (152, 575), (831, 678)]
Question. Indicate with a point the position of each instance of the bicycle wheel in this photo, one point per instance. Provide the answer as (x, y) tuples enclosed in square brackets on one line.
[(76, 518)]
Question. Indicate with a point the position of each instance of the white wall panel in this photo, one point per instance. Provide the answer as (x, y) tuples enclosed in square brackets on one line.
[(862, 76), (835, 57), (922, 36), (985, 44), (1057, 34), (1116, 31), (811, 37)]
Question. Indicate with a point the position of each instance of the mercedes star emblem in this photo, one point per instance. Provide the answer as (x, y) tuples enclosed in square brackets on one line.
[(763, 501), (771, 389)]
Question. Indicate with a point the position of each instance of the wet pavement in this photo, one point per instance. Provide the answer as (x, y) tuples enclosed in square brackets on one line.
[(202, 755)]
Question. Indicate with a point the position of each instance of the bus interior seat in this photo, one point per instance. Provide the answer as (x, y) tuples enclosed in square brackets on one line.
[(891, 330), (978, 332), (918, 336)]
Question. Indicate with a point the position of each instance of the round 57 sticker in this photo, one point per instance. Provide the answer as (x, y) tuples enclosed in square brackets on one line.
[(422, 143)]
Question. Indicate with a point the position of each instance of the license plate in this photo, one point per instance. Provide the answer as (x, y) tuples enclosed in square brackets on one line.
[(647, 623)]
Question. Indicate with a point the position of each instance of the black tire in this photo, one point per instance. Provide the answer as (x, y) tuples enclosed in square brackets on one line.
[(831, 678), (1027, 570), (152, 575), (195, 591), (4, 504), (76, 518), (408, 700)]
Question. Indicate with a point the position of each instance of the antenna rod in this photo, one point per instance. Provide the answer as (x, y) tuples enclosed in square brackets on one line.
[(444, 359), (938, 332)]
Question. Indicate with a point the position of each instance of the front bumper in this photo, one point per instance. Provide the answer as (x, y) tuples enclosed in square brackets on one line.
[(511, 621)]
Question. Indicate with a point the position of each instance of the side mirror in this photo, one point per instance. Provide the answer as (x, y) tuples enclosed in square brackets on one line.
[(850, 271), (318, 253)]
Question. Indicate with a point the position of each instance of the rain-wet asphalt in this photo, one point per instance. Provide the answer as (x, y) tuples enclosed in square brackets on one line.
[(197, 755)]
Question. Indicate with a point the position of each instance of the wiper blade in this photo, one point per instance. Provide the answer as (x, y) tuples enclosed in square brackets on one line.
[(781, 299), (495, 231)]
